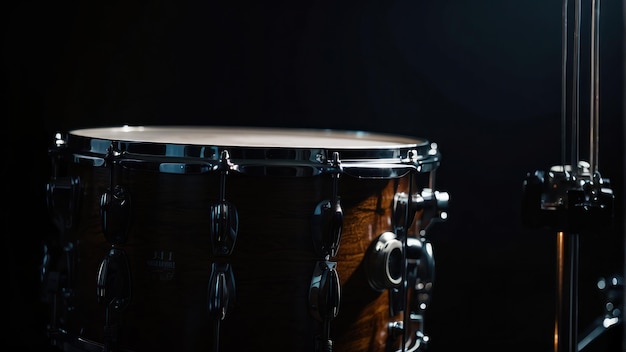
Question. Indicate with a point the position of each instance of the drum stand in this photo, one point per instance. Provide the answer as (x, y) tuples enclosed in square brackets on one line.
[(572, 199), (612, 289)]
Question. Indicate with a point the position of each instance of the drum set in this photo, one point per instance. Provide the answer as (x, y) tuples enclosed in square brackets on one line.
[(218, 238), (207, 238)]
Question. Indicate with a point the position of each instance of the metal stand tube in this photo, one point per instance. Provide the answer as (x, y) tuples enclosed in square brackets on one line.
[(566, 322)]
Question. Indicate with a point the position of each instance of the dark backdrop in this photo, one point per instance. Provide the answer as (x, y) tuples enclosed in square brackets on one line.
[(480, 78)]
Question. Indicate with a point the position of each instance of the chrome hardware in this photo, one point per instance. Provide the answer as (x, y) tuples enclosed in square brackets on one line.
[(49, 281), (324, 298), (224, 226), (113, 292), (420, 276), (221, 290), (115, 214), (325, 291), (383, 262), (59, 263), (401, 216), (567, 199), (115, 203), (434, 205), (591, 203), (114, 284), (395, 329), (113, 281), (327, 222), (63, 199), (221, 298), (421, 272), (60, 279), (612, 289), (427, 159), (224, 221)]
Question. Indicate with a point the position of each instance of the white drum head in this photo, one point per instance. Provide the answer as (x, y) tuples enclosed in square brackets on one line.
[(250, 137), (253, 147)]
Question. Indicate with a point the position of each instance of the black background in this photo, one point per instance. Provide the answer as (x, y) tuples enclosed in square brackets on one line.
[(480, 78)]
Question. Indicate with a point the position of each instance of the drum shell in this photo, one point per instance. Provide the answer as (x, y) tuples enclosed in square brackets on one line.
[(272, 261)]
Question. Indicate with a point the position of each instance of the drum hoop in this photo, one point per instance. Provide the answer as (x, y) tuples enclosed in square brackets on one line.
[(380, 162)]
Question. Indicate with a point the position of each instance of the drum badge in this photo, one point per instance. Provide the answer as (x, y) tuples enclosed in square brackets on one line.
[(162, 266)]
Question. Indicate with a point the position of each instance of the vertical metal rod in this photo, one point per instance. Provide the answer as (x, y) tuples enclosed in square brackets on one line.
[(595, 87), (215, 347), (624, 159), (566, 320), (564, 55), (574, 247), (566, 323), (406, 321), (575, 87), (559, 339)]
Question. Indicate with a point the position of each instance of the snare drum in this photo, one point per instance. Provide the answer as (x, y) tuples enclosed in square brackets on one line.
[(198, 238)]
